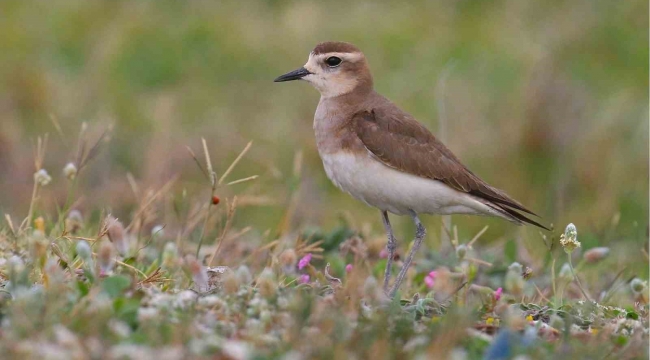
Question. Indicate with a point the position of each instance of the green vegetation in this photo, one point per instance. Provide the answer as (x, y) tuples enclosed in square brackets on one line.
[(115, 244)]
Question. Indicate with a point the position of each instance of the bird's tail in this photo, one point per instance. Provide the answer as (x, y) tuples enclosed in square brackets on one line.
[(514, 216)]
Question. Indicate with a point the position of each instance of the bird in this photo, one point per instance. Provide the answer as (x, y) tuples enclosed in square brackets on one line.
[(382, 156)]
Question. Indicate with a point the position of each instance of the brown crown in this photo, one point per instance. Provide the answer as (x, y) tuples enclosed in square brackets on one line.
[(334, 46)]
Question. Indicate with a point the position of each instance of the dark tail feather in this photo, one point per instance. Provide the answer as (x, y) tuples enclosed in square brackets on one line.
[(522, 218), (502, 202)]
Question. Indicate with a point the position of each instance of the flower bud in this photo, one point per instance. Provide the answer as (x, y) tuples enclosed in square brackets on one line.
[(638, 286), (288, 260), (244, 275), (42, 178), (105, 258), (117, 235), (461, 251), (39, 224), (70, 171), (83, 250), (230, 283), (569, 240), (74, 221), (514, 282), (266, 283), (158, 231), (304, 261)]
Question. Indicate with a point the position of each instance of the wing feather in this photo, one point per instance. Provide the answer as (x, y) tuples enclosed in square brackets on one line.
[(399, 141)]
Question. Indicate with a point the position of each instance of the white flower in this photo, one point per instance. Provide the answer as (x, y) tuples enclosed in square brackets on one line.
[(158, 231), (70, 171), (638, 286), (83, 250), (42, 178), (569, 240)]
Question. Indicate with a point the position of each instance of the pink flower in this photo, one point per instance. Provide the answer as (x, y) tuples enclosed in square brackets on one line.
[(497, 294), (348, 268), (304, 261), (383, 254), (433, 274), (428, 280), (303, 279)]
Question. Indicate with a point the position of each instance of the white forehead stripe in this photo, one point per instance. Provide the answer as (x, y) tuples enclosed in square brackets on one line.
[(347, 56)]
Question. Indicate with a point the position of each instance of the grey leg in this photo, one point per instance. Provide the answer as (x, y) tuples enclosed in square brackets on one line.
[(391, 246), (420, 233)]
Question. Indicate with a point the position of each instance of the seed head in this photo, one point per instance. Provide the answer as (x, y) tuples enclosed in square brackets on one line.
[(514, 282), (42, 178), (117, 235), (105, 258), (158, 231), (74, 221), (70, 171), (288, 260), (638, 286), (39, 224), (461, 251), (569, 240), (230, 283), (244, 275), (83, 250), (266, 283)]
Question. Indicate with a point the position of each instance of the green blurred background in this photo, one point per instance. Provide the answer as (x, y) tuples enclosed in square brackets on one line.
[(546, 100)]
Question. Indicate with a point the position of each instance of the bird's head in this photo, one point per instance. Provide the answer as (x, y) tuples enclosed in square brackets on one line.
[(334, 69)]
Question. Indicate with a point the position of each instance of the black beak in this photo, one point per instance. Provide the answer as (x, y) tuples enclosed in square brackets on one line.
[(294, 75)]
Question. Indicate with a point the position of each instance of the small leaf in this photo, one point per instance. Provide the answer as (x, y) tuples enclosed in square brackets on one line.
[(632, 315), (83, 288), (115, 285), (127, 310)]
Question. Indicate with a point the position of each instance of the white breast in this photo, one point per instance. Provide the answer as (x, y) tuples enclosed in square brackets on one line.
[(378, 185)]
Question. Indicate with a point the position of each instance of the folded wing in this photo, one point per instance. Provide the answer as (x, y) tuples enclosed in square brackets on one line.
[(399, 141)]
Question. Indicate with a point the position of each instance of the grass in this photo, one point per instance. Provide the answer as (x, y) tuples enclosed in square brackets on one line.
[(75, 288), (115, 244)]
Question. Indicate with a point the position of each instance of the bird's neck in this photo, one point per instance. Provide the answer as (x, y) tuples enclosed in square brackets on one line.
[(331, 120)]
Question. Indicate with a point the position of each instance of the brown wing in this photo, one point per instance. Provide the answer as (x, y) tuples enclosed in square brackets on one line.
[(399, 141)]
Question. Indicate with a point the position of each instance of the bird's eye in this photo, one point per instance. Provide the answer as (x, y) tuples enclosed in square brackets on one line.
[(333, 61)]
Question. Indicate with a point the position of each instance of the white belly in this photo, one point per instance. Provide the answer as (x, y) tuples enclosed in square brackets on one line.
[(378, 185)]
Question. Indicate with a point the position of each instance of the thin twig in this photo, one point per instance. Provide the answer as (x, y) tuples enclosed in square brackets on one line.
[(198, 163), (229, 218), (232, 166), (243, 180), (477, 236), (478, 261)]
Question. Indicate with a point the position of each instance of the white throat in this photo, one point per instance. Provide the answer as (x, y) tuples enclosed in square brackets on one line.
[(329, 84)]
